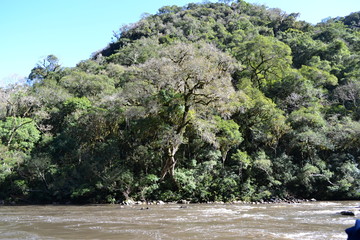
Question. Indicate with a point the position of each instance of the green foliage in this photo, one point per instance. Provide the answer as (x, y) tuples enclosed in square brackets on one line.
[(186, 182), (318, 77), (149, 186), (206, 102), (303, 46), (228, 135), (83, 84), (74, 104), (138, 52), (48, 68), (265, 60), (242, 159), (307, 117), (10, 160), (19, 133)]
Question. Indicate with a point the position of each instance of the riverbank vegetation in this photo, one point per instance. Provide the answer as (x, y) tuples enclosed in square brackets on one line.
[(207, 102)]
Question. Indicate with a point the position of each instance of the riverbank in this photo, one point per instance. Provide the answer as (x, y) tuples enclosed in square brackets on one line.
[(160, 202), (270, 201)]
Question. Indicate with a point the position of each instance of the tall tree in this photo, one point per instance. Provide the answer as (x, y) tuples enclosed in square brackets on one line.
[(265, 60), (187, 82), (46, 68)]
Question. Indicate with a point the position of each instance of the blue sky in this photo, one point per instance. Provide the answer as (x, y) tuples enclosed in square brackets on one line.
[(73, 29)]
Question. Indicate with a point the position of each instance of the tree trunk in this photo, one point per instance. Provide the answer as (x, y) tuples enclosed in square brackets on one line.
[(170, 162)]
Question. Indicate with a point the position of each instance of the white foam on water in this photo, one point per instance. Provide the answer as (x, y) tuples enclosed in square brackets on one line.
[(329, 203), (19, 235), (328, 212), (243, 207), (254, 216), (216, 211), (312, 236)]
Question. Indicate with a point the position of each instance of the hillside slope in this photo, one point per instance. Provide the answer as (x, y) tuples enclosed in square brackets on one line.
[(204, 102)]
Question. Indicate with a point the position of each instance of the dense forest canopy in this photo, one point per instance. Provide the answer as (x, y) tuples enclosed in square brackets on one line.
[(206, 102)]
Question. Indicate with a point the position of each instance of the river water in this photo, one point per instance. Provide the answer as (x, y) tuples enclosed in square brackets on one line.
[(313, 220)]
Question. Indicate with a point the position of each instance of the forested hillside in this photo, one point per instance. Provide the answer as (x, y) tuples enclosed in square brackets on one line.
[(206, 102)]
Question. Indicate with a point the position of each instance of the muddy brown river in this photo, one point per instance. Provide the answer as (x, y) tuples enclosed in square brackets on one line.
[(315, 220)]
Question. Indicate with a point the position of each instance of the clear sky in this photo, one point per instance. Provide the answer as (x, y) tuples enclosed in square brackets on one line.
[(73, 29)]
